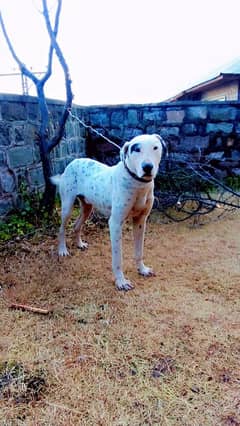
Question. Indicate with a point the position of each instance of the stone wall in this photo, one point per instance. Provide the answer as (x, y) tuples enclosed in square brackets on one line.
[(212, 129), (19, 152)]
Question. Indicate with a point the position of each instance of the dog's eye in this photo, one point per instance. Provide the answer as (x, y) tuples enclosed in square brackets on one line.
[(135, 148), (156, 147)]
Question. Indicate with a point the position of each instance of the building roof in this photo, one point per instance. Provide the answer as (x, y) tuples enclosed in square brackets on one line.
[(225, 74)]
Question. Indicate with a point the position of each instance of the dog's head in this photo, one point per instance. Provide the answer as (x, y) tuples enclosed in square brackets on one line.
[(143, 154)]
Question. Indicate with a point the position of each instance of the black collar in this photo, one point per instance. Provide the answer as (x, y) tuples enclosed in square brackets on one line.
[(139, 179)]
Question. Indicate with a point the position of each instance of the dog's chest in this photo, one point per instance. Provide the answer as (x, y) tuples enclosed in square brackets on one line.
[(141, 204)]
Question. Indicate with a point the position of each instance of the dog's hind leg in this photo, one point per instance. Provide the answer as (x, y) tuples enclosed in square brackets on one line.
[(67, 205), (86, 210)]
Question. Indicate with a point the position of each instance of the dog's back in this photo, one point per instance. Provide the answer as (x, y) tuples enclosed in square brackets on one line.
[(89, 179)]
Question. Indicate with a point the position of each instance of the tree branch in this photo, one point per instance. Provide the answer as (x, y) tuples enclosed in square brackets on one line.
[(41, 83), (69, 95), (21, 65), (51, 49), (38, 83)]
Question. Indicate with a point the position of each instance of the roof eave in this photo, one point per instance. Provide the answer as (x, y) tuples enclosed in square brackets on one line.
[(212, 82)]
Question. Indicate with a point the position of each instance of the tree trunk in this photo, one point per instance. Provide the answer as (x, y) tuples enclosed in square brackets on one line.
[(48, 200), (45, 144)]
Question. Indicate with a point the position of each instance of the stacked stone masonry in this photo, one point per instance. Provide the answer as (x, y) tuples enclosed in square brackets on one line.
[(20, 162), (210, 129), (213, 128)]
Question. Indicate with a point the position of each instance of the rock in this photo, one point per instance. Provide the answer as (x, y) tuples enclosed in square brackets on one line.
[(153, 117), (189, 129), (117, 119), (222, 113), (36, 177), (132, 117), (175, 116), (6, 205), (197, 113), (215, 156), (235, 155), (5, 134), (13, 111), (188, 143), (7, 181), (20, 156), (216, 127), (100, 119), (236, 172)]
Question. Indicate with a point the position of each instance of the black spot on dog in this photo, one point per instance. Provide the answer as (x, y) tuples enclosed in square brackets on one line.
[(135, 148)]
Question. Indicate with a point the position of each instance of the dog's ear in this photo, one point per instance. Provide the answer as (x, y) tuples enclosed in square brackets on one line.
[(124, 151), (163, 143)]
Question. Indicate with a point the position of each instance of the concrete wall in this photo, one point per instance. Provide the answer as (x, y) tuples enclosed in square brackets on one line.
[(213, 129)]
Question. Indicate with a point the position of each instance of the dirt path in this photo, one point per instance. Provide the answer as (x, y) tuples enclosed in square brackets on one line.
[(167, 353)]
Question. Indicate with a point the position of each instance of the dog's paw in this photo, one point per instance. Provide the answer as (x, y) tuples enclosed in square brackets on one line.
[(63, 251), (145, 271), (82, 245), (124, 285)]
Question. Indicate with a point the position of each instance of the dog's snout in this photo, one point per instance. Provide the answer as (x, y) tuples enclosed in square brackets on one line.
[(147, 168)]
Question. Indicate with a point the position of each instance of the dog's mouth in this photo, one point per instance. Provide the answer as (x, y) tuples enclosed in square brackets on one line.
[(147, 170), (142, 177), (147, 176), (147, 173)]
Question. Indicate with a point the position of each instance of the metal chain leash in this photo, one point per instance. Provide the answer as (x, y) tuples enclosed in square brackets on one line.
[(87, 126)]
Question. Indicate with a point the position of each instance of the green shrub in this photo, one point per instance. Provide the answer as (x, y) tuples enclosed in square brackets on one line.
[(29, 217), (233, 182)]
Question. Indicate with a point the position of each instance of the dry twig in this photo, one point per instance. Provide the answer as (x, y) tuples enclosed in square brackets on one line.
[(30, 308)]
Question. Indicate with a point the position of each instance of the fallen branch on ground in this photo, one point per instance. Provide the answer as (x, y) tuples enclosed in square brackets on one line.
[(30, 308)]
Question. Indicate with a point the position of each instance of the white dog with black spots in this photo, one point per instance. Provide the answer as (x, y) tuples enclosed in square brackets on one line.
[(118, 192)]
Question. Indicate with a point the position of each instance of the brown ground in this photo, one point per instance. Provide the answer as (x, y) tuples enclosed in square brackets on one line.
[(166, 353)]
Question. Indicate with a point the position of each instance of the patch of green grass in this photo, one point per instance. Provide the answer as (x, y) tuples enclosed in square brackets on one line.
[(28, 217), (16, 225), (233, 182)]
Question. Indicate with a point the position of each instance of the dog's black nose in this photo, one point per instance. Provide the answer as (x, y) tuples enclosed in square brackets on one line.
[(147, 168)]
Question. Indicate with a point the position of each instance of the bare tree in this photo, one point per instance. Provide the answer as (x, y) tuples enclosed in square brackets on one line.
[(45, 141)]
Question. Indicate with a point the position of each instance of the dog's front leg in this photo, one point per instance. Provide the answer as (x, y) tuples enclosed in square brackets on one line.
[(139, 225), (115, 227)]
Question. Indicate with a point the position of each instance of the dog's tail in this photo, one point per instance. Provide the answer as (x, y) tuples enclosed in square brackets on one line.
[(55, 179)]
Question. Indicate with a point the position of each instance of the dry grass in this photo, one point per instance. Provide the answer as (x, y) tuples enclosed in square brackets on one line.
[(166, 353)]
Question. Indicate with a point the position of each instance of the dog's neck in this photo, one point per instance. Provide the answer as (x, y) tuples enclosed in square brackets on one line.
[(134, 176)]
